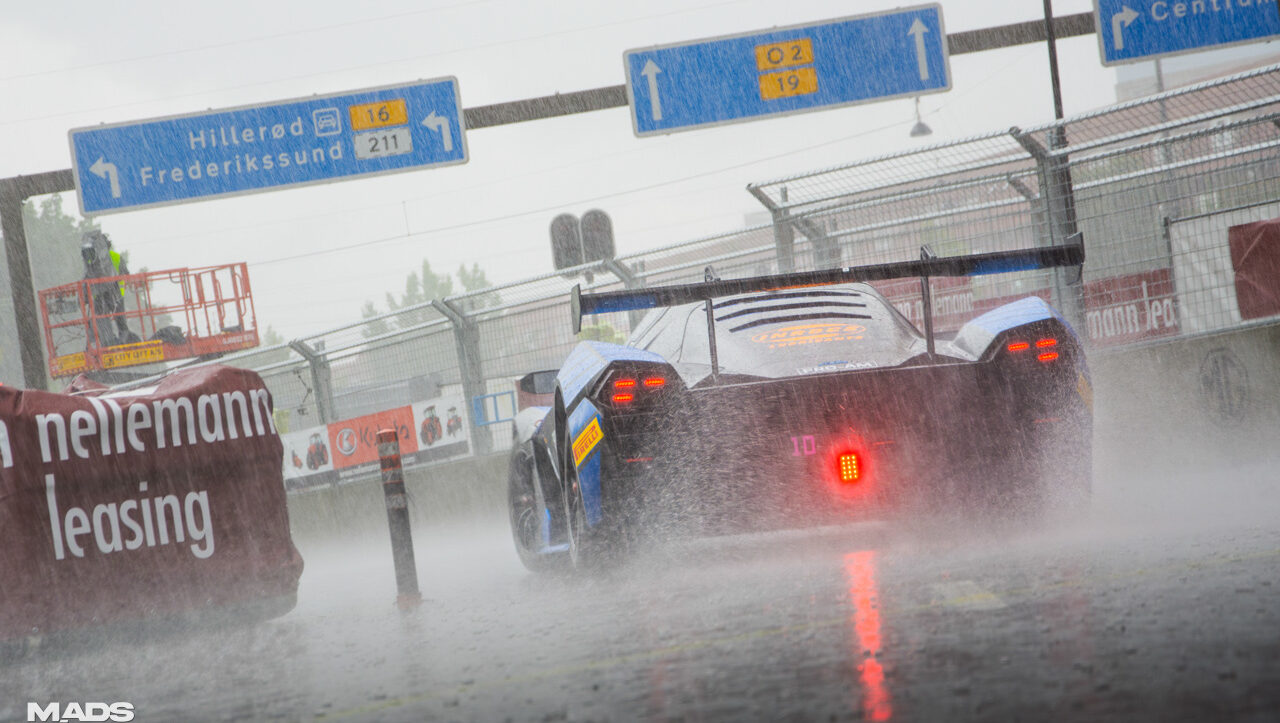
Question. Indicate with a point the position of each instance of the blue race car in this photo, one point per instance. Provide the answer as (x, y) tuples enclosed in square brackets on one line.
[(795, 399)]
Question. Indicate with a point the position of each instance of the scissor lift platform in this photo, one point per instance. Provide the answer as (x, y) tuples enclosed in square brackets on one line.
[(171, 315)]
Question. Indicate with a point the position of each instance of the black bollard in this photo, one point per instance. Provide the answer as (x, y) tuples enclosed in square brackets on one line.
[(408, 596)]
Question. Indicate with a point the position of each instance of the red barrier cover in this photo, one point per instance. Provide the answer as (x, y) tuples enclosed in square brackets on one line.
[(120, 507), (1255, 257)]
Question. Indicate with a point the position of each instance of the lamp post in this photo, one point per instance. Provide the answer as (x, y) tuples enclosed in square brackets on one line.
[(920, 128)]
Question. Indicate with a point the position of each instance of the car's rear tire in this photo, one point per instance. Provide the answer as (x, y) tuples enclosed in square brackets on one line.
[(526, 523), (590, 548)]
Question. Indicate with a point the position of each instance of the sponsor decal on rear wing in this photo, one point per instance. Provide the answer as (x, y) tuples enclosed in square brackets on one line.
[(997, 262)]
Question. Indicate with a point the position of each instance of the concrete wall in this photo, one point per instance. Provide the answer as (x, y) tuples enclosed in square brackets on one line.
[(1175, 404), (473, 490)]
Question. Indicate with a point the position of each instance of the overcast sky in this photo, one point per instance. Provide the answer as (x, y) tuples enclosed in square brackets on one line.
[(65, 65)]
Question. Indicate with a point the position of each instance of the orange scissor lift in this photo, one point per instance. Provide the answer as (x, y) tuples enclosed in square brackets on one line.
[(171, 315)]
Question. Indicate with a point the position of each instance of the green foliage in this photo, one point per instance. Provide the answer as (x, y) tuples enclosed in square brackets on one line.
[(53, 248), (601, 332), (419, 289), (267, 339), (53, 242), (375, 328), (474, 280)]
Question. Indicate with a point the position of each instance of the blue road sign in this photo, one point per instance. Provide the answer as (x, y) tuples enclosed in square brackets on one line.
[(234, 151), (787, 70), (1134, 30)]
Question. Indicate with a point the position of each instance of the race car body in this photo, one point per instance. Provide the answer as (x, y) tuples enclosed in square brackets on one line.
[(800, 399)]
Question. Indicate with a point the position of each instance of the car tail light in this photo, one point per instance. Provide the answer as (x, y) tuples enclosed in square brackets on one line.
[(849, 467), (1045, 348), (638, 388)]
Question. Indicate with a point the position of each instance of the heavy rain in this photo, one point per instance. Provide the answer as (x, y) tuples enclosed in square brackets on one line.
[(725, 362)]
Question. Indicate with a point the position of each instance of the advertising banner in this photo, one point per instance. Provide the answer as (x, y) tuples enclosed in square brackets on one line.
[(429, 431), (127, 505), (1118, 309), (1255, 259), (1131, 308)]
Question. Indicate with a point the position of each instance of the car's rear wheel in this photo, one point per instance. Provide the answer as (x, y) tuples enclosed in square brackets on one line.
[(590, 548), (526, 518)]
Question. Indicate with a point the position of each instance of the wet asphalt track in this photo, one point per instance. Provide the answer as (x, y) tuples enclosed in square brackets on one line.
[(1163, 606)]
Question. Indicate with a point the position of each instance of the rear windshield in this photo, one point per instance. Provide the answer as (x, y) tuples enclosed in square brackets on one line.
[(785, 324)]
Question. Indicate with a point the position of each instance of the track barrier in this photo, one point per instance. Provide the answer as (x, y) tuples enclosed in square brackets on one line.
[(407, 594)]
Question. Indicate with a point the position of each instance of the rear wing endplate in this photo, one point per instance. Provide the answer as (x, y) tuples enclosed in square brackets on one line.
[(996, 262)]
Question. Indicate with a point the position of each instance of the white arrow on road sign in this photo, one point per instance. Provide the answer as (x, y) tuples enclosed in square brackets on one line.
[(441, 125), (650, 72), (102, 169), (1119, 22), (918, 29)]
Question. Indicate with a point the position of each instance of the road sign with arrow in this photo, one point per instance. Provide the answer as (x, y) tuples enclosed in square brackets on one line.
[(787, 70), (1134, 30), (250, 149)]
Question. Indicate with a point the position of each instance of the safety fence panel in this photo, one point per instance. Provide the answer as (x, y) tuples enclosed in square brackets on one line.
[(1152, 185)]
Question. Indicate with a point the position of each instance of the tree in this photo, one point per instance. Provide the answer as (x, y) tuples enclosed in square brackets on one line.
[(266, 340), (421, 288), (474, 280), (53, 246), (373, 328), (602, 332), (53, 242)]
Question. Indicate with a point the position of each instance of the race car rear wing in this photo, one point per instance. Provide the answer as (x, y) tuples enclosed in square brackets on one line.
[(996, 262)]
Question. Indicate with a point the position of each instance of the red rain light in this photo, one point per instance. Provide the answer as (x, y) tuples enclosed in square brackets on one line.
[(1048, 356), (850, 467), (1019, 346), (623, 398), (623, 383), (1046, 342), (654, 382)]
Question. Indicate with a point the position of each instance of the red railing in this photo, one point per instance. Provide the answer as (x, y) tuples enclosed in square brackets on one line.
[(168, 315)]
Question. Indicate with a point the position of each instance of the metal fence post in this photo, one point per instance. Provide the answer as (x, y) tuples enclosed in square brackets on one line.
[(826, 250), (784, 235), (1059, 207), (467, 337), (321, 379), (629, 280)]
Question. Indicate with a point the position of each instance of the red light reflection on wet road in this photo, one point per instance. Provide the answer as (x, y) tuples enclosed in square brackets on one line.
[(860, 569)]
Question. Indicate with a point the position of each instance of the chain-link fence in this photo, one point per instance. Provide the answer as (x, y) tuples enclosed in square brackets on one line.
[(1152, 185)]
